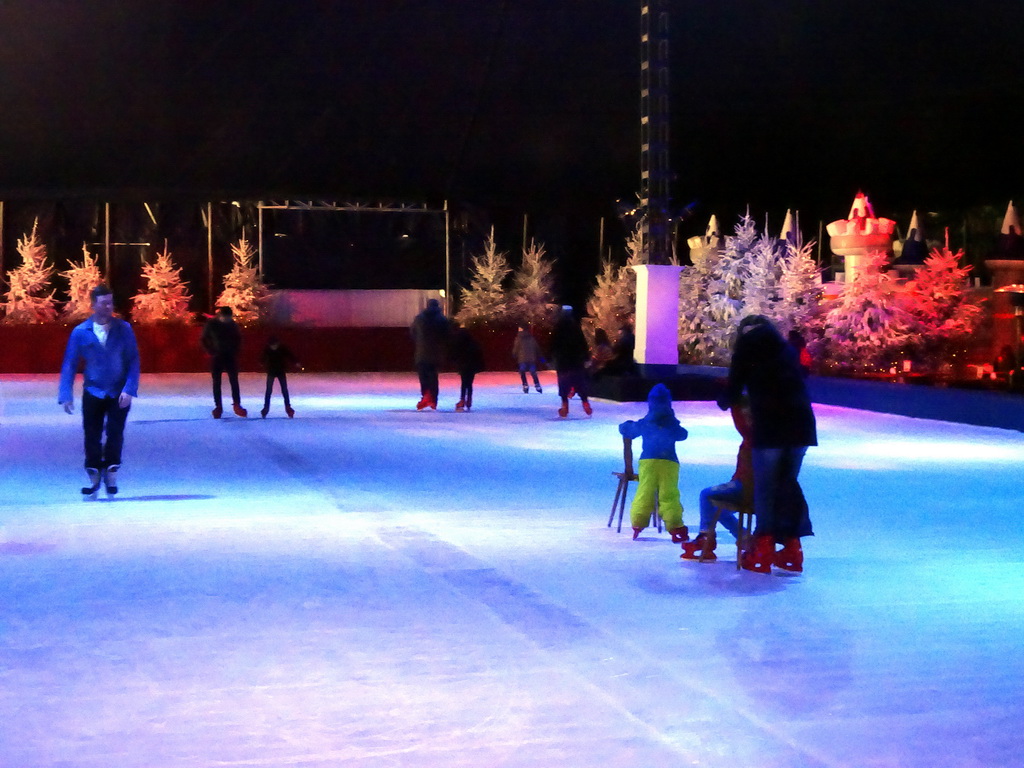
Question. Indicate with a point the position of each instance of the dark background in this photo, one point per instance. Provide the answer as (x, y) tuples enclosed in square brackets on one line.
[(509, 109)]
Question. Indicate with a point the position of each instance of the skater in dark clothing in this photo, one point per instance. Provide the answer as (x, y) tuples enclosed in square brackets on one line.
[(429, 335), (277, 358), (526, 352), (468, 359), (106, 345), (768, 369), (571, 353), (622, 362), (222, 340)]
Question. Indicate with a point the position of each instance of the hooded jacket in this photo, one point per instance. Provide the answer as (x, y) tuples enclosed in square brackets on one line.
[(660, 430)]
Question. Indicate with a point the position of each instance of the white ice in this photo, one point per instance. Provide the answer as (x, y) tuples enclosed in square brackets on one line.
[(366, 585)]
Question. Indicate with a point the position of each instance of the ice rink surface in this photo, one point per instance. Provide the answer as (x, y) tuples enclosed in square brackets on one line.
[(366, 585)]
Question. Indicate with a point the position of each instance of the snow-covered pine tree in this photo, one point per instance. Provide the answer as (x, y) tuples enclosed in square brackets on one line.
[(711, 298), (762, 290), (243, 290), (868, 327), (801, 285), (531, 301), (485, 300), (166, 297), (82, 278), (946, 310), (28, 299), (612, 304)]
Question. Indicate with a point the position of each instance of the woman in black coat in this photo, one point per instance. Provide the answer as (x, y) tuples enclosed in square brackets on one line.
[(768, 369)]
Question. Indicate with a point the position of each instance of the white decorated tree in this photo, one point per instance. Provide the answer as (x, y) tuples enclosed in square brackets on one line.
[(485, 300), (166, 297), (531, 300), (29, 297), (869, 327), (243, 290), (82, 278)]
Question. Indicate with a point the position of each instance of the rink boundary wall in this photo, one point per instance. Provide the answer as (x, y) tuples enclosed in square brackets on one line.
[(175, 348), (981, 408)]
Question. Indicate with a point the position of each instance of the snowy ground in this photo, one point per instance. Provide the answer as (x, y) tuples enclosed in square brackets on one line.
[(370, 586)]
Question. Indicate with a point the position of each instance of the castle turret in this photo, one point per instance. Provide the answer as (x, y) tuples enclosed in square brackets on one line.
[(914, 251), (701, 247), (859, 234)]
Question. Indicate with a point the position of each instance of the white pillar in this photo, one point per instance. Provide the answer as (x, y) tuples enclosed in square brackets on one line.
[(657, 316)]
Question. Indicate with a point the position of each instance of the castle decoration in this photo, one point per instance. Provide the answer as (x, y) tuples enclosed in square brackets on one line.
[(703, 246), (913, 252), (1007, 270), (790, 229), (859, 234)]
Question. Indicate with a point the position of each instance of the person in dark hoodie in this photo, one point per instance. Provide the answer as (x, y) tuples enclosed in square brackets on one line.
[(659, 430), (222, 341), (429, 335), (768, 369), (571, 353)]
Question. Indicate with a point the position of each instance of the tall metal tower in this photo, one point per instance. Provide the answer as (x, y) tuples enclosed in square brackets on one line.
[(654, 133)]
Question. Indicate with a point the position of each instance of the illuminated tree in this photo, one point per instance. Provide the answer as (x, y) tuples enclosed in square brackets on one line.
[(485, 300), (166, 297), (243, 290), (531, 301), (82, 278), (613, 302), (869, 328), (946, 311), (28, 300)]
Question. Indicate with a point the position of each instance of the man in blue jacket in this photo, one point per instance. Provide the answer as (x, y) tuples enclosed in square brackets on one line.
[(106, 346)]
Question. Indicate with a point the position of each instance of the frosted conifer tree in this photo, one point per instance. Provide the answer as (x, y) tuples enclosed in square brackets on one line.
[(485, 300), (801, 284), (243, 290), (869, 327), (532, 297), (762, 290), (82, 278), (166, 297), (944, 307), (28, 299), (711, 298)]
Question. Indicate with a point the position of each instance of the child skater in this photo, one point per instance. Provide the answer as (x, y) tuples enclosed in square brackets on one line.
[(659, 430), (739, 488), (276, 359), (469, 361)]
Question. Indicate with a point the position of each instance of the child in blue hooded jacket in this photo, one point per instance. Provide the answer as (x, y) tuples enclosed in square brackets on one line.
[(659, 430)]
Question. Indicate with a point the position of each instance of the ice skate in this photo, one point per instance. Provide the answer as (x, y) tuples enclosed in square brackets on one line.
[(760, 556), (110, 478), (240, 412), (790, 557), (539, 391), (94, 482), (636, 532), (679, 535), (460, 406), (290, 411), (701, 548), (564, 410), (525, 389), (423, 403), (217, 412), (586, 407), (264, 412)]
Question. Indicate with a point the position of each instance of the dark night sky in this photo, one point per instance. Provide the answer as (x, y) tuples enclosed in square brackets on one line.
[(531, 104)]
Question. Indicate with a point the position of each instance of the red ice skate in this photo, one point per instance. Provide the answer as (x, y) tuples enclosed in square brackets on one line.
[(679, 535), (790, 557), (240, 412), (701, 548), (760, 556)]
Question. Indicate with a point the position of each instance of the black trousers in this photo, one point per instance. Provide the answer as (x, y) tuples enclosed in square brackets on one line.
[(428, 380), (281, 377), (466, 392), (225, 364), (99, 413)]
